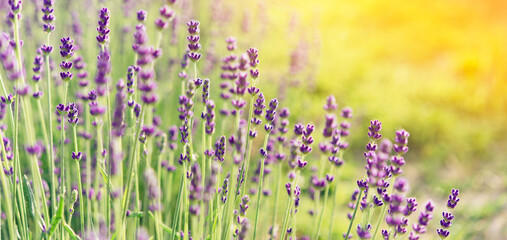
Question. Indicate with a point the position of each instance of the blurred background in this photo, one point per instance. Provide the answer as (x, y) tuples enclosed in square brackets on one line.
[(434, 68)]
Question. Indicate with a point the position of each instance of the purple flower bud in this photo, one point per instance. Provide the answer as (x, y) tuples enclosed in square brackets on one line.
[(346, 112), (330, 104), (161, 24), (102, 30), (166, 12), (453, 199), (374, 129)]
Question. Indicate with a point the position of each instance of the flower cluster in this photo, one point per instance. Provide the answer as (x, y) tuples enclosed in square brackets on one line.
[(446, 222), (193, 41), (103, 29), (66, 51), (48, 16)]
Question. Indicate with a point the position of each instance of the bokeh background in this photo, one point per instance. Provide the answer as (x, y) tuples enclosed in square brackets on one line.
[(434, 68)]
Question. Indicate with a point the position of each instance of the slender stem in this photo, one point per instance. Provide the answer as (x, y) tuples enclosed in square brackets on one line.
[(158, 213), (353, 215), (259, 190), (19, 190), (22, 76), (288, 210), (326, 194), (186, 204), (246, 163), (7, 191), (203, 182), (382, 214), (132, 166), (277, 194), (62, 141), (108, 166), (78, 170), (229, 205), (210, 207), (178, 206), (50, 130), (333, 206), (7, 196)]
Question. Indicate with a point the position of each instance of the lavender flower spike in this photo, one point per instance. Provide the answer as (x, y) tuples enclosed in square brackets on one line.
[(103, 30), (48, 16), (193, 39), (446, 222), (66, 51)]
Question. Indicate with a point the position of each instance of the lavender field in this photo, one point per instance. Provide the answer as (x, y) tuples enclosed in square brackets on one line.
[(259, 119)]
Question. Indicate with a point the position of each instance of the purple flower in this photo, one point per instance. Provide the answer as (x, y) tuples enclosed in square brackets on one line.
[(48, 16), (374, 130), (103, 30), (330, 125), (453, 199), (193, 39), (37, 65), (243, 205), (205, 90), (161, 24), (72, 113), (401, 141), (96, 109), (447, 217), (118, 126), (330, 105), (195, 187), (253, 55), (166, 12), (209, 117), (76, 156), (184, 132), (152, 184), (220, 149), (364, 233), (103, 70), (346, 112), (401, 185), (271, 111), (424, 218), (224, 190), (141, 15), (66, 51)]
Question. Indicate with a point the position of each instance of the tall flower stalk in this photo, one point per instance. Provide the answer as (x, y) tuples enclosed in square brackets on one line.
[(270, 117)]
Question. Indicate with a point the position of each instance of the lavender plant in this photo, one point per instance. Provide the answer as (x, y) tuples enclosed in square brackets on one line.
[(139, 166)]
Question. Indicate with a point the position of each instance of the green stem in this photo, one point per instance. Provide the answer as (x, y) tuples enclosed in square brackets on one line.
[(259, 190), (62, 141), (203, 182), (326, 194), (18, 191), (288, 210), (186, 204), (382, 214), (78, 170), (132, 164), (353, 215), (7, 197), (178, 206), (246, 163), (277, 193), (333, 206), (50, 130), (229, 203)]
